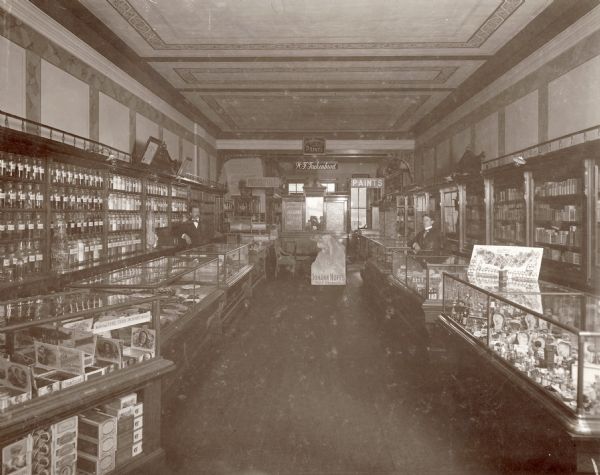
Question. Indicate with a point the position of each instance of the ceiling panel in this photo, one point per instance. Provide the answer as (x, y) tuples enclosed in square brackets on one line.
[(273, 66)]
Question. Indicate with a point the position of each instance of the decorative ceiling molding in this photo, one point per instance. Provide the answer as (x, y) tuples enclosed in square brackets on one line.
[(189, 75), (477, 39)]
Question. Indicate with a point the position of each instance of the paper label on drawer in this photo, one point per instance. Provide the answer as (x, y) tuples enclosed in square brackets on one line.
[(121, 322)]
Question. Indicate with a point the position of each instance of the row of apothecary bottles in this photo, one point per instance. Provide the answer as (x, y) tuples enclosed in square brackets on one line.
[(65, 198), (13, 165), (18, 261), (73, 175), (21, 195), (21, 226), (124, 183)]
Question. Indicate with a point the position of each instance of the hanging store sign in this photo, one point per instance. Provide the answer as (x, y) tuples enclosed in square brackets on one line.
[(309, 165), (367, 182), (313, 145), (263, 182)]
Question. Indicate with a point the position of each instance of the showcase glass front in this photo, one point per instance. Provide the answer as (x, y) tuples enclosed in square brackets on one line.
[(509, 212)]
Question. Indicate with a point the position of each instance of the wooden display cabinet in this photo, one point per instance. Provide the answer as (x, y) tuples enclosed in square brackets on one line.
[(81, 379)]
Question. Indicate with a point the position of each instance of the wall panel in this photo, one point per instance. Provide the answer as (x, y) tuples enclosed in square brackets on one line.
[(12, 77), (574, 99), (486, 136), (65, 101), (113, 123), (521, 123)]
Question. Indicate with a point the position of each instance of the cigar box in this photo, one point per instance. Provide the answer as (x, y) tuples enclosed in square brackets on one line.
[(11, 397), (122, 402), (97, 425), (66, 379), (46, 386), (16, 457), (97, 448), (96, 465), (108, 365), (125, 424), (136, 449), (138, 423), (138, 436), (124, 439), (92, 372)]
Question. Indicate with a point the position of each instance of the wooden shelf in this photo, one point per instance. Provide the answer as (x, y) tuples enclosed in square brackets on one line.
[(561, 247), (573, 199)]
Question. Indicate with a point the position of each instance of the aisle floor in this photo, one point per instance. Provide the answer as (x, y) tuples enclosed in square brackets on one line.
[(311, 381)]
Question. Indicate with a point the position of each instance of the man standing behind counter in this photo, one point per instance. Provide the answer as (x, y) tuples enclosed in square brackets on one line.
[(191, 231), (427, 241)]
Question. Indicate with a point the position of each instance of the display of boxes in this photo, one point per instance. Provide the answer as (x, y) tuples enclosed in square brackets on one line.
[(45, 386), (97, 448), (10, 397), (41, 451), (64, 446), (16, 457), (96, 465), (97, 425), (66, 379)]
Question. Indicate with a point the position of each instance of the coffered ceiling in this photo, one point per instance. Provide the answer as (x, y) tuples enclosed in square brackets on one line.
[(286, 68)]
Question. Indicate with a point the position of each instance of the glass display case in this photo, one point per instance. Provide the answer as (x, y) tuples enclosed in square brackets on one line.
[(406, 216), (550, 339), (232, 259), (423, 274), (52, 342), (185, 284), (509, 215), (380, 251)]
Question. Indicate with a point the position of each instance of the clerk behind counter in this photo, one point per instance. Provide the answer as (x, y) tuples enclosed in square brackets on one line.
[(191, 232), (428, 241)]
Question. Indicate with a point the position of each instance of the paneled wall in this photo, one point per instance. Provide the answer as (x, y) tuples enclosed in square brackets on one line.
[(43, 78), (551, 93)]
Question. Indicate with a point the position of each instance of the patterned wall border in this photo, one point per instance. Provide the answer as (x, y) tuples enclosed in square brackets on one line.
[(225, 116), (481, 35), (188, 75)]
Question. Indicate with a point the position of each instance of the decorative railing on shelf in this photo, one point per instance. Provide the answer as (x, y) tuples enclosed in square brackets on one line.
[(558, 143), (14, 122), (203, 181)]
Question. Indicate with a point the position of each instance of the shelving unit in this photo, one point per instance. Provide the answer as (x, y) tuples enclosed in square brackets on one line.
[(558, 224), (509, 211), (65, 207), (474, 213)]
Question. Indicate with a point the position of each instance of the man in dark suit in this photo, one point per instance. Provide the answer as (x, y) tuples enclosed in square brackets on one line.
[(428, 241), (191, 231)]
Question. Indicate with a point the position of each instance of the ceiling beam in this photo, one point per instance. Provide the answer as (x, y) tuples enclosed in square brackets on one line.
[(310, 59)]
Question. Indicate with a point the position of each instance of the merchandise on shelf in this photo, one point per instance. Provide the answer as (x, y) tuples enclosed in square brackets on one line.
[(125, 184)]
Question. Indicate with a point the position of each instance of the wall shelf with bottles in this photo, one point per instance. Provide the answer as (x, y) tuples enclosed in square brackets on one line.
[(63, 209), (474, 214)]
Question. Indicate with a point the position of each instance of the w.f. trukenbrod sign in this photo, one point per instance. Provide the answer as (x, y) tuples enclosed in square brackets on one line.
[(316, 165)]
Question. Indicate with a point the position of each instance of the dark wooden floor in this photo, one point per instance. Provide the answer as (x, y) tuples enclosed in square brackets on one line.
[(315, 380)]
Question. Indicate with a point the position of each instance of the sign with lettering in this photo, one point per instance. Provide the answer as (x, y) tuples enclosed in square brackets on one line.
[(309, 165), (329, 267), (263, 182), (293, 216), (313, 145), (367, 182)]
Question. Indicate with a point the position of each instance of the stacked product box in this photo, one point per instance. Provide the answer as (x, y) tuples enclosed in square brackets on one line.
[(130, 421), (63, 459), (97, 444), (46, 451)]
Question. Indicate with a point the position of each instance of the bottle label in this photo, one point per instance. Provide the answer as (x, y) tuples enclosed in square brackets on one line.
[(40, 226), (6, 262), (39, 257), (32, 258), (30, 226), (21, 226), (2, 227), (10, 227)]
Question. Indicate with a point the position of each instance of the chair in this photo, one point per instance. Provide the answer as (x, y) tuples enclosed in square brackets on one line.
[(284, 258)]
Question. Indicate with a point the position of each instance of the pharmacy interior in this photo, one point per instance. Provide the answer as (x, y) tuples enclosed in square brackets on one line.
[(154, 183)]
